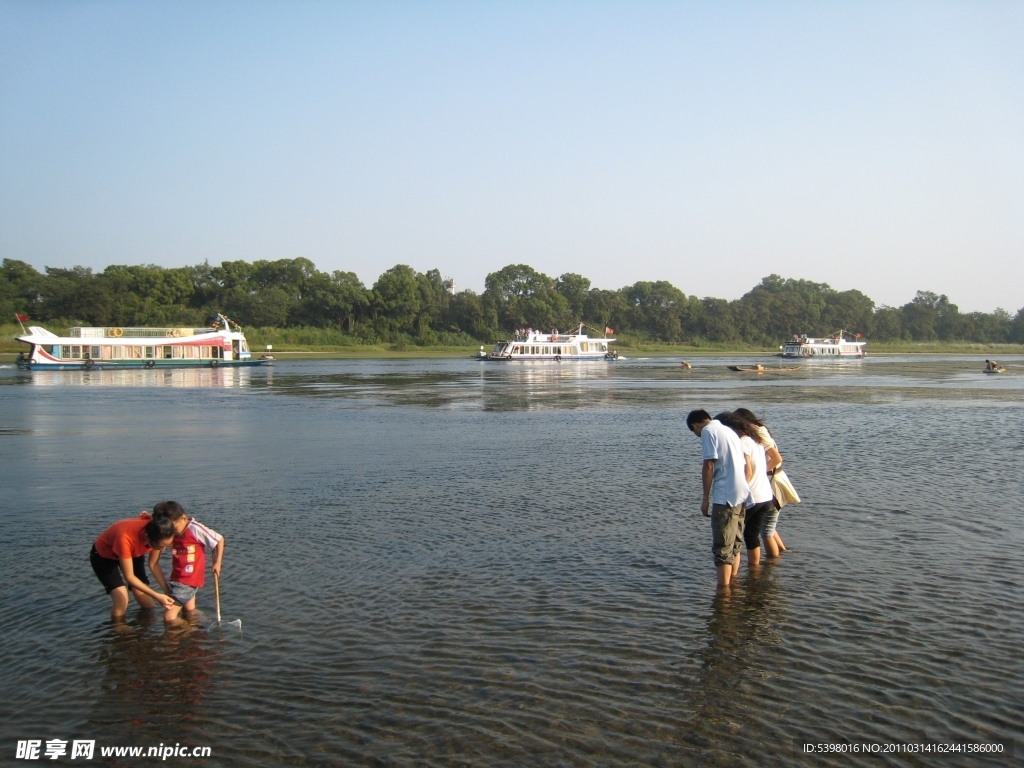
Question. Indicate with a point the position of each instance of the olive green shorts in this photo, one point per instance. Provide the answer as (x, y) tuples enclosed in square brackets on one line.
[(726, 532)]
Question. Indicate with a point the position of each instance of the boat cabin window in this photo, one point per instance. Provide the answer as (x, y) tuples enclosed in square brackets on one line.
[(149, 353)]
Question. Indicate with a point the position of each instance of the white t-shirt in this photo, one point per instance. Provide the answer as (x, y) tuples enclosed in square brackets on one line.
[(760, 487), (723, 446)]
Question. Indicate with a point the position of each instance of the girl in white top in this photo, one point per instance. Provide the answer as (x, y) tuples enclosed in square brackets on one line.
[(760, 487), (772, 541), (759, 501)]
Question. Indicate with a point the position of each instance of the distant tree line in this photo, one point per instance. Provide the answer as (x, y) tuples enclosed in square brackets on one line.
[(407, 306)]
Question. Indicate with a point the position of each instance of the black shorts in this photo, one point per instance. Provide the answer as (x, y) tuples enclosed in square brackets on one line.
[(756, 515), (109, 571)]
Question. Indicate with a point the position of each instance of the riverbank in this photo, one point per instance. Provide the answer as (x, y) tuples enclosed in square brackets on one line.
[(294, 349)]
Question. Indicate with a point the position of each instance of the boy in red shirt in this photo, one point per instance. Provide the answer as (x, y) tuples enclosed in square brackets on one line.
[(188, 558)]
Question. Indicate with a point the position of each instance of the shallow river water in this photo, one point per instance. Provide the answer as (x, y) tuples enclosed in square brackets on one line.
[(453, 563)]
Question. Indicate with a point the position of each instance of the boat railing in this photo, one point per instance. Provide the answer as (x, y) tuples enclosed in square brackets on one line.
[(117, 332), (550, 338)]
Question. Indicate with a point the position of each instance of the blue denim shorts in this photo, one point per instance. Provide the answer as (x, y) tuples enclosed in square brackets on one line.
[(182, 593), (769, 523)]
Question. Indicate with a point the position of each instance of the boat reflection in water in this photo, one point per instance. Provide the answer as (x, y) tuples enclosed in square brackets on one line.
[(146, 377)]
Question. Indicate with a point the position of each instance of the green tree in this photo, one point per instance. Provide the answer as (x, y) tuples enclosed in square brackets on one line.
[(888, 324), (339, 299), (434, 297), (396, 301), (986, 327), (264, 308), (848, 310), (921, 315), (232, 275), (657, 310), (1015, 333), (467, 313), (777, 308), (521, 297), (75, 294), (21, 288), (575, 289), (717, 322), (290, 275), (604, 309)]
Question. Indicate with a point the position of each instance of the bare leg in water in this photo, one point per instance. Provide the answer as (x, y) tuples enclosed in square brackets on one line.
[(724, 574), (778, 541)]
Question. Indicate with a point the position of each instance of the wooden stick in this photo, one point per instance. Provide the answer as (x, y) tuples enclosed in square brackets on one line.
[(216, 587)]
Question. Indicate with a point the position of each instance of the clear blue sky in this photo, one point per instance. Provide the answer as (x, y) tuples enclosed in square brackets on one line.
[(877, 146)]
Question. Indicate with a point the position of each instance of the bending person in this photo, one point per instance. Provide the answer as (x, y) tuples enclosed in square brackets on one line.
[(773, 543), (118, 556), (724, 490), (760, 503)]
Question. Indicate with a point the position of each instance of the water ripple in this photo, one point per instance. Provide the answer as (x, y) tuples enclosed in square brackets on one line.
[(444, 563)]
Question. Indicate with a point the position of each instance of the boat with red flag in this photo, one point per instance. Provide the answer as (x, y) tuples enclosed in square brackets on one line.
[(222, 343)]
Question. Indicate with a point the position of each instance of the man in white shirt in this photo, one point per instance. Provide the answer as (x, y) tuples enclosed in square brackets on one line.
[(725, 489)]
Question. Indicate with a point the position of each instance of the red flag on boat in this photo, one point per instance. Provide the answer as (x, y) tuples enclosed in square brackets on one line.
[(857, 335), (609, 330), (21, 318)]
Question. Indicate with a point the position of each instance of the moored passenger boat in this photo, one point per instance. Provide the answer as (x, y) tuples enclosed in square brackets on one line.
[(554, 346), (223, 343), (835, 347)]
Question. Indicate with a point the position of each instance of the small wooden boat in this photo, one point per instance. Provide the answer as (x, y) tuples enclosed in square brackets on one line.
[(762, 368)]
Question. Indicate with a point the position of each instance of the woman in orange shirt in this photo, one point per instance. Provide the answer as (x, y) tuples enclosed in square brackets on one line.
[(121, 550)]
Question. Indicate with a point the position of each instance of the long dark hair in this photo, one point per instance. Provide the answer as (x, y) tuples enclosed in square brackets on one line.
[(159, 529), (750, 418), (740, 426), (748, 415)]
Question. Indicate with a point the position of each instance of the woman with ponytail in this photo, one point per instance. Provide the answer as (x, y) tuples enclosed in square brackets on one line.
[(118, 560)]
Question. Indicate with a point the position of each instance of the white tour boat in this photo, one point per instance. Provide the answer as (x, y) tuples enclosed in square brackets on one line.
[(835, 347), (114, 347), (534, 345)]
